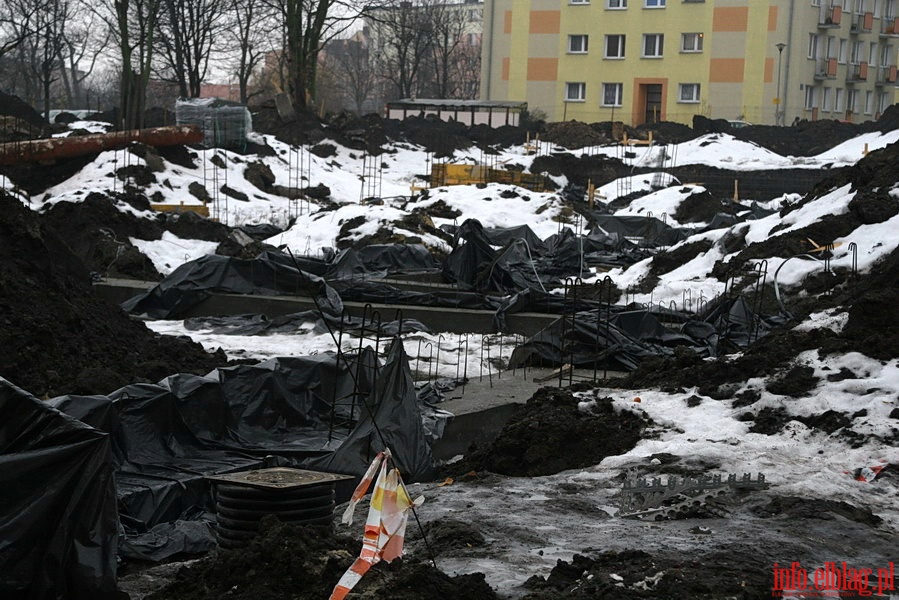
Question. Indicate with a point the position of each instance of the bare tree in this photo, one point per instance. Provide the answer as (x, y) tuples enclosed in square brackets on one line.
[(467, 70), (39, 27), (451, 24), (18, 22), (251, 28), (308, 25), (352, 72), (133, 26), (401, 33), (188, 31), (83, 42)]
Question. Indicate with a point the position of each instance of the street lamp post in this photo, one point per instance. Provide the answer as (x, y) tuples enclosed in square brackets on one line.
[(778, 111)]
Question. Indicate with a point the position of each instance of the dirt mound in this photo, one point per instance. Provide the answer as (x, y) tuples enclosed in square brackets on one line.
[(552, 433), (100, 234), (573, 135), (871, 330), (636, 574), (14, 106), (806, 138), (58, 337), (287, 561)]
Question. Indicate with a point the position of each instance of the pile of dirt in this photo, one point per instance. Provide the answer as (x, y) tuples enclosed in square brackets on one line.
[(100, 234), (553, 433), (573, 135), (13, 106), (57, 336), (633, 574), (871, 330), (305, 563), (871, 179)]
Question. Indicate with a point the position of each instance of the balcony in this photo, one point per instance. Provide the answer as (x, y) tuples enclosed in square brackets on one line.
[(886, 76), (825, 68), (857, 73), (889, 27), (862, 23), (830, 17)]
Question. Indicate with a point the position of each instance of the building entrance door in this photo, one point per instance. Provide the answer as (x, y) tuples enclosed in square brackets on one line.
[(652, 92)]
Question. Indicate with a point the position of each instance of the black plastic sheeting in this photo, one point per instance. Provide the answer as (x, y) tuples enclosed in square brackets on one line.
[(375, 292), (472, 253), (257, 324), (271, 273), (58, 526), (391, 423), (623, 339), (650, 230), (311, 412)]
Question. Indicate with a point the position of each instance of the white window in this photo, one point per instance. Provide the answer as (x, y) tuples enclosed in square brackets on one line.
[(691, 42), (857, 53), (825, 99), (816, 2), (813, 45), (886, 53), (577, 44), (831, 47), (578, 1), (575, 91), (653, 45), (843, 46), (810, 98), (616, 4), (852, 101), (614, 46), (876, 9), (611, 94), (869, 102), (654, 3), (872, 54), (884, 101), (838, 100), (689, 92), (889, 9)]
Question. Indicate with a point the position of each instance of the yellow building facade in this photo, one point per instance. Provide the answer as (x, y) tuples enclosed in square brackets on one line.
[(638, 61)]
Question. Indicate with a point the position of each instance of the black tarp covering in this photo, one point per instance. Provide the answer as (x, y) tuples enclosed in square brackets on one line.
[(256, 324), (165, 438), (468, 258), (588, 340), (736, 323), (271, 273), (651, 230), (371, 291), (58, 526), (500, 236), (629, 336), (513, 270), (397, 258), (382, 260), (394, 421)]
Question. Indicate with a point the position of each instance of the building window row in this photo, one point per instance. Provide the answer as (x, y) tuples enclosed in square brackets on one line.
[(878, 8), (820, 47), (653, 44), (622, 4), (831, 100), (613, 93)]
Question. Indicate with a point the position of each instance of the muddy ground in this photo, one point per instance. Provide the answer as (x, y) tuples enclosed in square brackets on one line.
[(58, 337)]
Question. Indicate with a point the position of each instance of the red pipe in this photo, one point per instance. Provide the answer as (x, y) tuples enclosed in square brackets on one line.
[(79, 145)]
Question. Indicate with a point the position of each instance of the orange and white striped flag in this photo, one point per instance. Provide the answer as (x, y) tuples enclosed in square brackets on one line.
[(385, 527)]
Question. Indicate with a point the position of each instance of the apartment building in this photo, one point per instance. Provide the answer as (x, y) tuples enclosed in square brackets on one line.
[(638, 61)]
